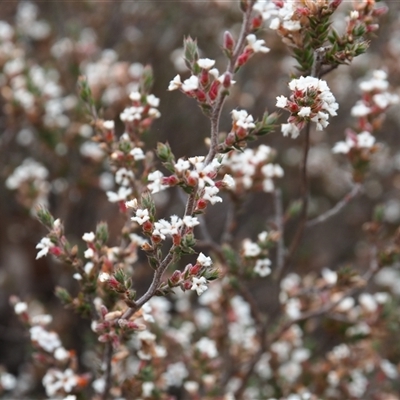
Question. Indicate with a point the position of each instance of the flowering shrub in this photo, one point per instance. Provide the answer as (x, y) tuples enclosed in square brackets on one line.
[(177, 296)]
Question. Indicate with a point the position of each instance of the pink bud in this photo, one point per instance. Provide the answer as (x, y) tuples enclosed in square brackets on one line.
[(195, 269), (230, 139), (256, 22), (213, 93), (227, 80), (229, 42), (201, 96), (372, 27), (377, 12), (176, 240), (201, 204), (336, 3), (56, 251), (176, 276), (147, 226), (187, 285), (204, 78), (243, 58)]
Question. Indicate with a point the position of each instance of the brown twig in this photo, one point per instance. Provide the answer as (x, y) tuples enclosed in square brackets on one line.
[(337, 208)]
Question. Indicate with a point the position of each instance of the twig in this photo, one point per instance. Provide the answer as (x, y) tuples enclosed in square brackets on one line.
[(108, 352), (337, 208), (304, 195), (280, 251)]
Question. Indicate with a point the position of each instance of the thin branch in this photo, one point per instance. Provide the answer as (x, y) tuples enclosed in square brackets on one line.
[(337, 208), (108, 353), (304, 196), (280, 251)]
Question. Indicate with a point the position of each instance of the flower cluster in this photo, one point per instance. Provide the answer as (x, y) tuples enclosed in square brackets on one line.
[(252, 168), (311, 100)]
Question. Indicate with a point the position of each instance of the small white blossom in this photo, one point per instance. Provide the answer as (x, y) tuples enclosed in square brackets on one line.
[(210, 195), (262, 267), (108, 125), (256, 45), (45, 245), (281, 101), (199, 285), (176, 83), (121, 195), (89, 237), (204, 260), (207, 347), (20, 308), (104, 277), (304, 112), (137, 153), (191, 84), (205, 63), (142, 215), (250, 249), (89, 253), (190, 222), (290, 130)]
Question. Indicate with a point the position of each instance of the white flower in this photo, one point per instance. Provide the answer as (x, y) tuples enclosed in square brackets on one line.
[(210, 194), (190, 222), (142, 215), (108, 125), (48, 341), (205, 63), (147, 389), (7, 381), (89, 237), (256, 45), (207, 347), (199, 285), (304, 112), (281, 101), (20, 308), (104, 277), (341, 147), (56, 380), (176, 83), (156, 179), (290, 130), (262, 267), (89, 253), (365, 139), (191, 84), (229, 181), (360, 109), (152, 100), (182, 165), (204, 260), (250, 249), (132, 204), (135, 96), (123, 177), (45, 245), (329, 276), (137, 153), (121, 195), (61, 354)]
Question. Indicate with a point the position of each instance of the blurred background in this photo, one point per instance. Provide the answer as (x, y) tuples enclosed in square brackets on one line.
[(53, 43)]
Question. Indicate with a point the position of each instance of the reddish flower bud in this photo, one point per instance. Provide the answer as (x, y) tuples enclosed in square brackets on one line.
[(372, 27), (241, 133), (227, 80), (201, 204), (377, 12), (204, 78), (201, 96), (56, 251), (230, 139), (114, 284), (213, 92), (146, 247), (170, 180), (243, 58), (176, 240), (176, 277), (187, 285), (256, 22), (195, 269), (147, 226), (122, 206), (156, 239), (229, 42), (192, 180), (336, 3)]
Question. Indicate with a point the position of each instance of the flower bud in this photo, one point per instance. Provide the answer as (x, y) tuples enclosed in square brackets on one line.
[(213, 93), (201, 96), (147, 226), (201, 204), (227, 80), (256, 22), (195, 269), (176, 277), (229, 42)]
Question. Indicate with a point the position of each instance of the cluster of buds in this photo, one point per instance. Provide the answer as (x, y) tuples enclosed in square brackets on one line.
[(193, 277), (370, 112), (311, 100), (110, 328)]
